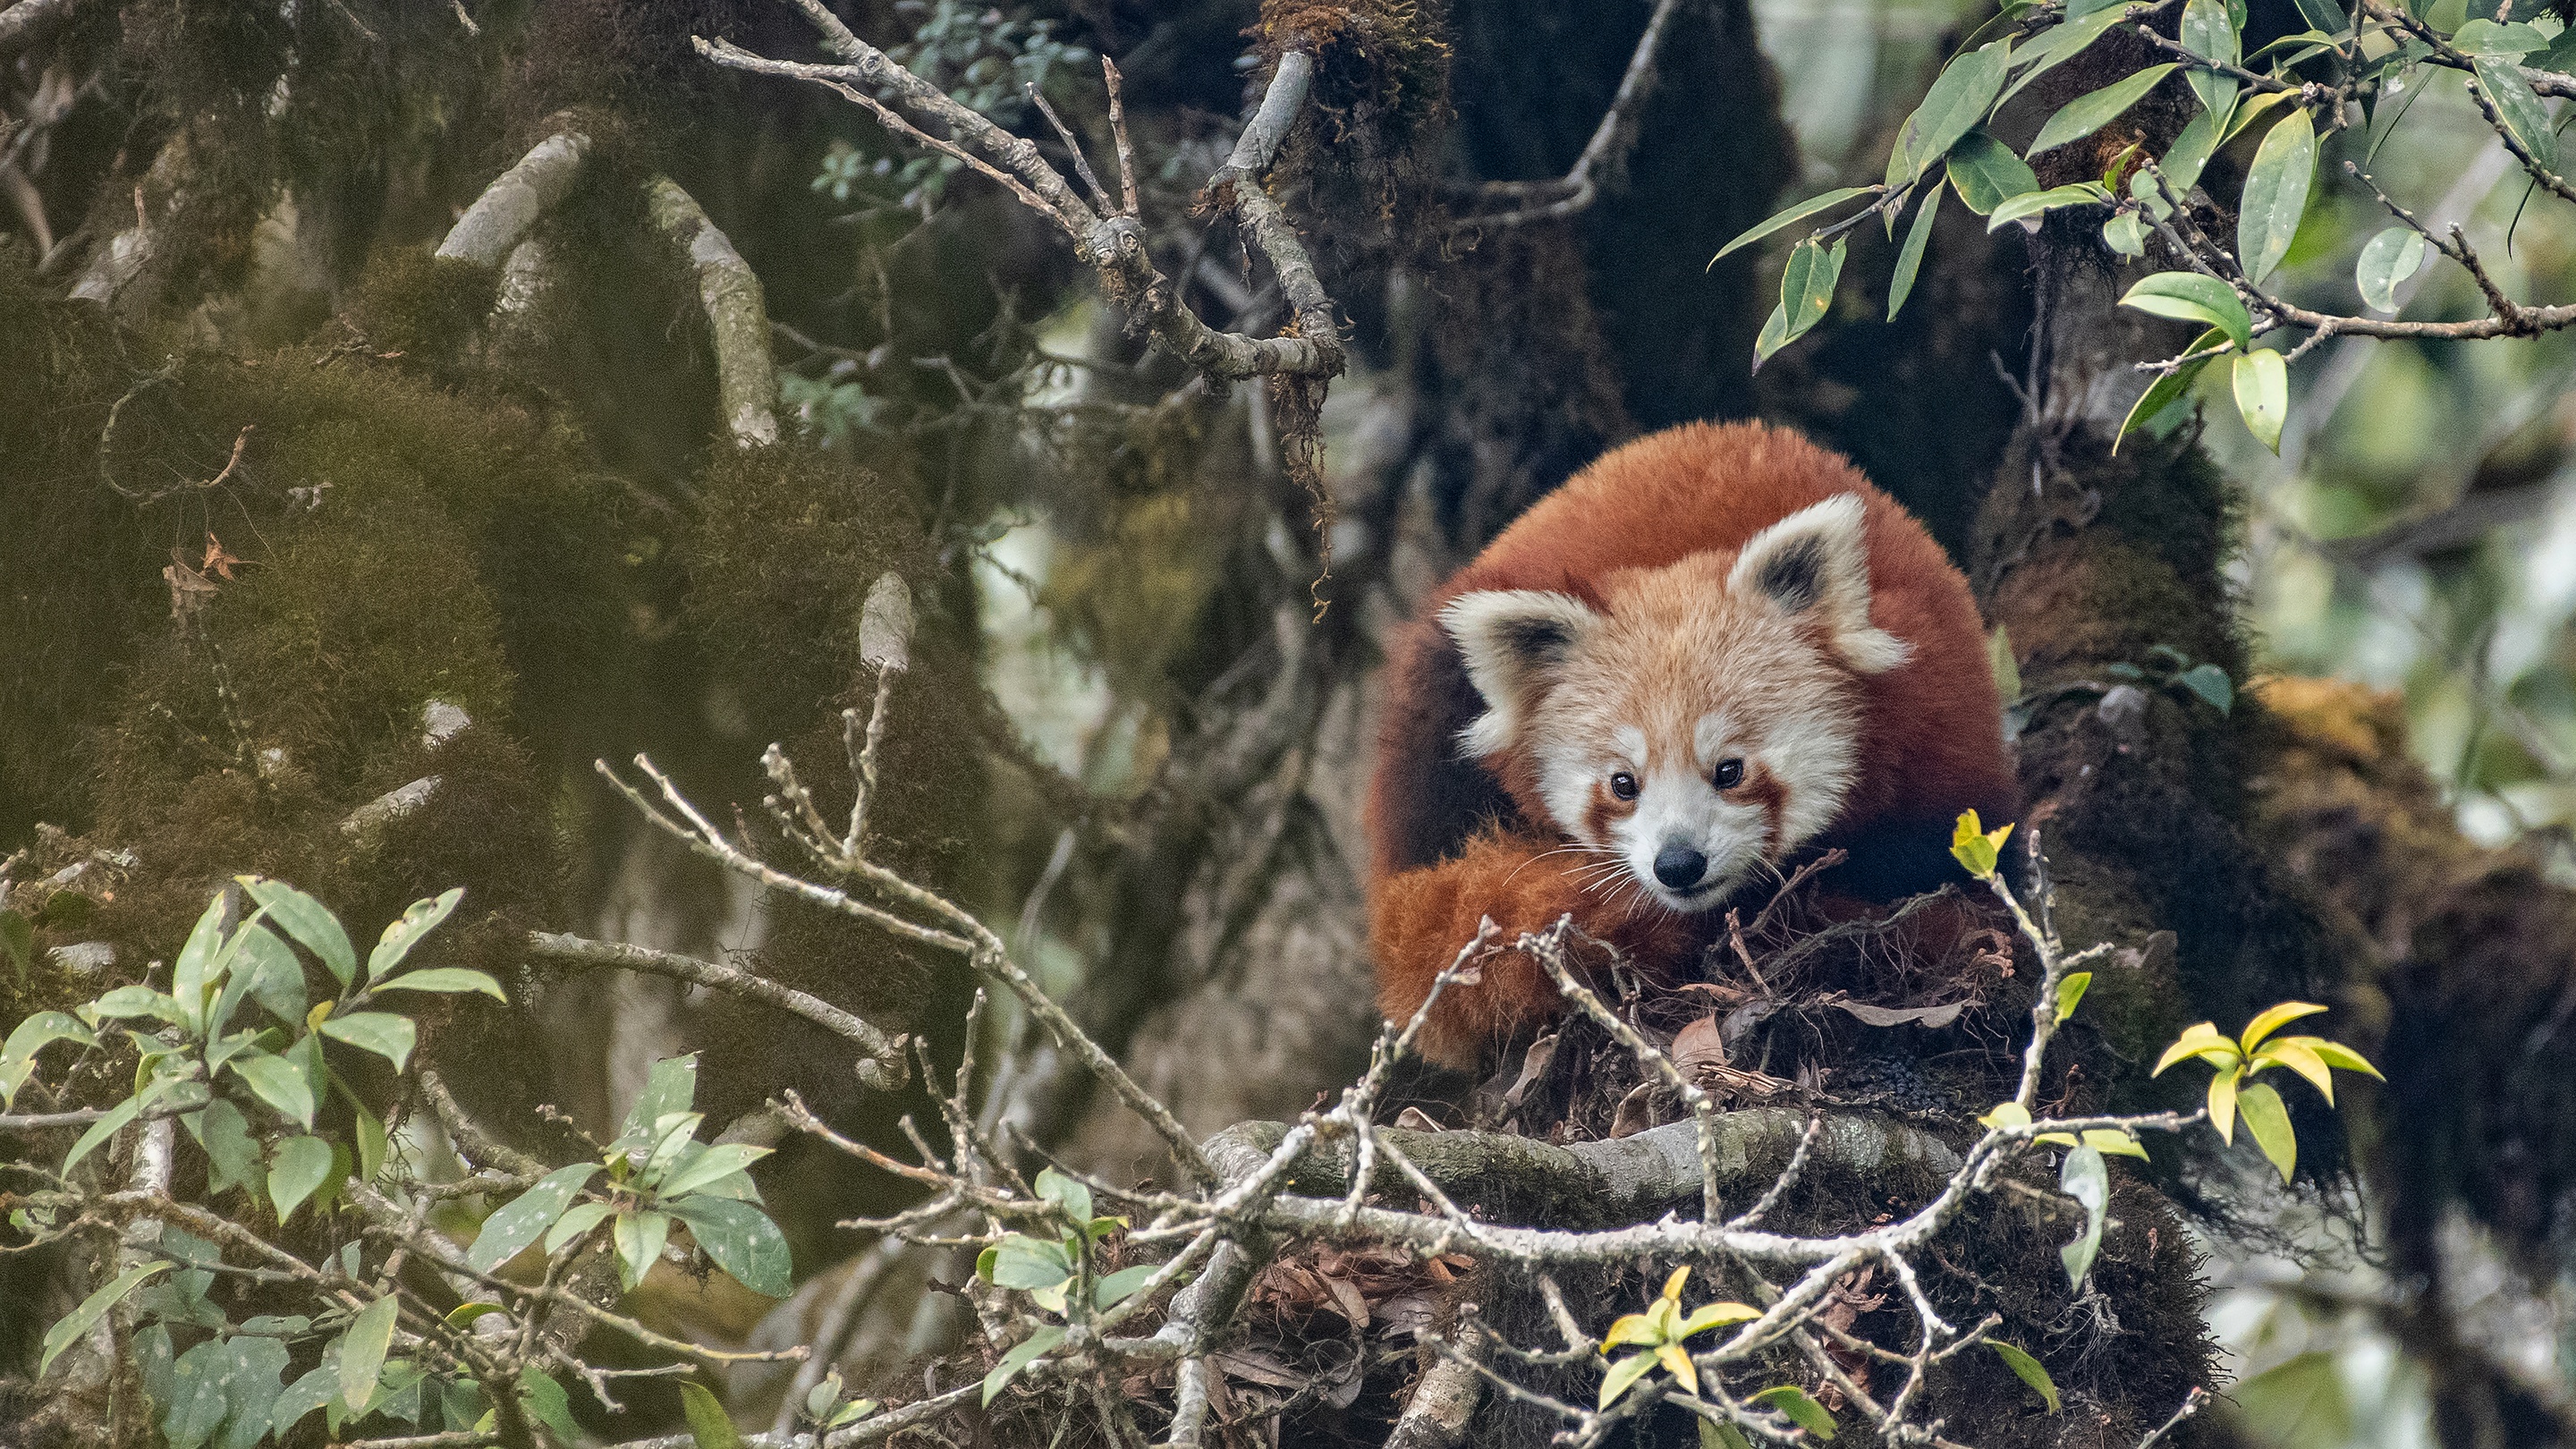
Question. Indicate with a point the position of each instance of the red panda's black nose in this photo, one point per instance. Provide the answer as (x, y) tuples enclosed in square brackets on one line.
[(1679, 867)]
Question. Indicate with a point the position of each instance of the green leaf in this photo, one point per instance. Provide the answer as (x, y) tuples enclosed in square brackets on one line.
[(251, 1367), (2503, 41), (667, 1089), (1806, 290), (369, 1130), (711, 1165), (2209, 681), (2387, 260), (317, 1387), (1024, 1262), (2269, 1121), (578, 1219), (308, 921), (2222, 1101), (2032, 203), (524, 1218), (2085, 1178), (2028, 1369), (362, 1352), (1118, 1287), (2209, 32), (264, 968), (2192, 149), (193, 976), (1714, 1435), (418, 920), (387, 1035), (2087, 114), (1909, 260), (299, 1165), (639, 1238), (1958, 100), (34, 1034), (673, 1136), (2126, 234), (93, 1308), (2299, 1402), (132, 1001), (2325, 16), (1985, 172), (1068, 1193), (1623, 1376), (2192, 297), (116, 1120), (547, 1403), (740, 1239), (232, 1154), (709, 1424), (1794, 214), (1792, 1402), (2070, 994), (2272, 1019), (2522, 111), (18, 938), (445, 978), (2084, 24), (2276, 195), (279, 1081), (1022, 1354)]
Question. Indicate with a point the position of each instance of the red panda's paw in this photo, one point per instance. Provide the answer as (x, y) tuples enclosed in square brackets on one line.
[(1420, 920)]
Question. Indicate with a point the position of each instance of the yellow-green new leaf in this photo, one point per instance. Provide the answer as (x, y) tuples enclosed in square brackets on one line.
[(2070, 994), (1623, 1375), (2336, 1054), (2269, 1121), (2028, 1370), (709, 1425), (2287, 1051), (1717, 1315), (2115, 1141), (1678, 1363), (1634, 1328), (1792, 1403), (2222, 1102), (2274, 1018), (2202, 1040), (2006, 1116)]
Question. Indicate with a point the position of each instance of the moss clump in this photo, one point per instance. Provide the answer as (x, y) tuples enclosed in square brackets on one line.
[(427, 307)]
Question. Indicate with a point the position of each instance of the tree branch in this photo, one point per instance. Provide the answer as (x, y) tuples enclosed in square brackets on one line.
[(737, 319), (517, 200), (1580, 186), (885, 1068)]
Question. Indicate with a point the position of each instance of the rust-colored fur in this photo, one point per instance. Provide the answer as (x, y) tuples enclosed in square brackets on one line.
[(1454, 840)]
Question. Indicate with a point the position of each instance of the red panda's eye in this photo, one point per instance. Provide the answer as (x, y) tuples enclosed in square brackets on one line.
[(1730, 773), (1624, 785)]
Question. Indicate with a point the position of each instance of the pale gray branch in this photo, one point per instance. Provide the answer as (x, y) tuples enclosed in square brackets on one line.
[(737, 318), (517, 200), (884, 1068)]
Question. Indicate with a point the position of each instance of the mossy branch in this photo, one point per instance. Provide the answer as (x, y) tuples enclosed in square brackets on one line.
[(517, 200), (737, 318)]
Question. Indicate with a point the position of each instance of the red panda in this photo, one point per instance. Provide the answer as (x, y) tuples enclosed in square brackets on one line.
[(1713, 652)]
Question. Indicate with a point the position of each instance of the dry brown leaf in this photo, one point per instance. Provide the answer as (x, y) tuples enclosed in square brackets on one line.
[(217, 560), (1345, 1297), (1534, 1065), (1932, 1016), (1414, 1119), (1636, 1111), (1699, 1046)]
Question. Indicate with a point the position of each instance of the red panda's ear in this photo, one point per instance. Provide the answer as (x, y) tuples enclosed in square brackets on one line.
[(1817, 560), (1513, 642)]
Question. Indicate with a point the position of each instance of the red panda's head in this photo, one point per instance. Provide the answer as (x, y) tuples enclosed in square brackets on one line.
[(1700, 720)]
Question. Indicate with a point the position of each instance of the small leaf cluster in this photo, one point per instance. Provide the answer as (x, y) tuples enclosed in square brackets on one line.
[(1976, 848), (658, 1174), (2292, 87), (1660, 1332), (1051, 1270), (2234, 1093), (236, 1084)]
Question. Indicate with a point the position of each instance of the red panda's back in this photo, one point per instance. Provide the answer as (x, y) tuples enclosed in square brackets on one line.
[(1933, 733)]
